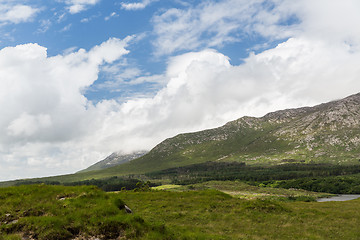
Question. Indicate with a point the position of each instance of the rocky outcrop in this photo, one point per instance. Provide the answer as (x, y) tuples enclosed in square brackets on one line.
[(326, 131)]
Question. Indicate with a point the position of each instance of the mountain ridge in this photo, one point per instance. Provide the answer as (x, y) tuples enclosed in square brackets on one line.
[(306, 123), (307, 134), (325, 133)]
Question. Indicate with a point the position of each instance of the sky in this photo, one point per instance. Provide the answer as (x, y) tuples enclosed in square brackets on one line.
[(80, 79)]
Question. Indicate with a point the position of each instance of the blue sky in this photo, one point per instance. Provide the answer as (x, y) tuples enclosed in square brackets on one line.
[(56, 27), (80, 79)]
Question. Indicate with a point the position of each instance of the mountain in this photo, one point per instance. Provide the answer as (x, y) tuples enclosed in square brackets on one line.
[(113, 160), (326, 133)]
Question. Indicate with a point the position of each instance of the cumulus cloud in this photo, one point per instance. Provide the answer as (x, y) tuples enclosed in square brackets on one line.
[(326, 20), (42, 98), (76, 6), (16, 13), (204, 90), (137, 5)]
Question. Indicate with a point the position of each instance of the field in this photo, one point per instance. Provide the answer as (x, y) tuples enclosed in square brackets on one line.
[(210, 200), (82, 212), (245, 191), (211, 214)]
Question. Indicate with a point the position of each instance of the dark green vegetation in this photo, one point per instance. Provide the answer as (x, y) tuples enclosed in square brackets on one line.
[(106, 184), (336, 179), (328, 178), (338, 184), (57, 212)]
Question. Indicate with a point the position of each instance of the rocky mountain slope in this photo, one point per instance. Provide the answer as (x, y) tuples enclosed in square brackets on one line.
[(328, 132), (114, 159)]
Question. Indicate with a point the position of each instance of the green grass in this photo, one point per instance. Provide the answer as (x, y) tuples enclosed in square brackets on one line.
[(245, 191), (57, 212), (166, 187), (211, 214)]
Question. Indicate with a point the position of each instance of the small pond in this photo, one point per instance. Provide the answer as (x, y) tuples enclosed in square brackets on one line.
[(343, 197)]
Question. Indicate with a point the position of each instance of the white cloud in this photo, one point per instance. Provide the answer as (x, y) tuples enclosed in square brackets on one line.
[(44, 26), (27, 125), (209, 24), (76, 6), (42, 106), (159, 79), (136, 6), (10, 13), (85, 20), (215, 23), (60, 18), (113, 14), (122, 73), (66, 28), (326, 20)]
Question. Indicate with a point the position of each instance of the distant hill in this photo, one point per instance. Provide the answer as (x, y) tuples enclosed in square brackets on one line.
[(113, 160), (326, 133)]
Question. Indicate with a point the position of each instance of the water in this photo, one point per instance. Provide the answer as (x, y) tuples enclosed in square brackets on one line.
[(339, 198)]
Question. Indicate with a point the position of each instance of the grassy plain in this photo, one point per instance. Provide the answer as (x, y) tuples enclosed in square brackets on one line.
[(245, 191), (58, 212), (210, 214)]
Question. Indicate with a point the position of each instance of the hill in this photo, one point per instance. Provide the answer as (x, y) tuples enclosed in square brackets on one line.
[(113, 160), (326, 133)]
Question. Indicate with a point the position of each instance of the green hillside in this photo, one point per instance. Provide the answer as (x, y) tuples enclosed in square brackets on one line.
[(327, 133)]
